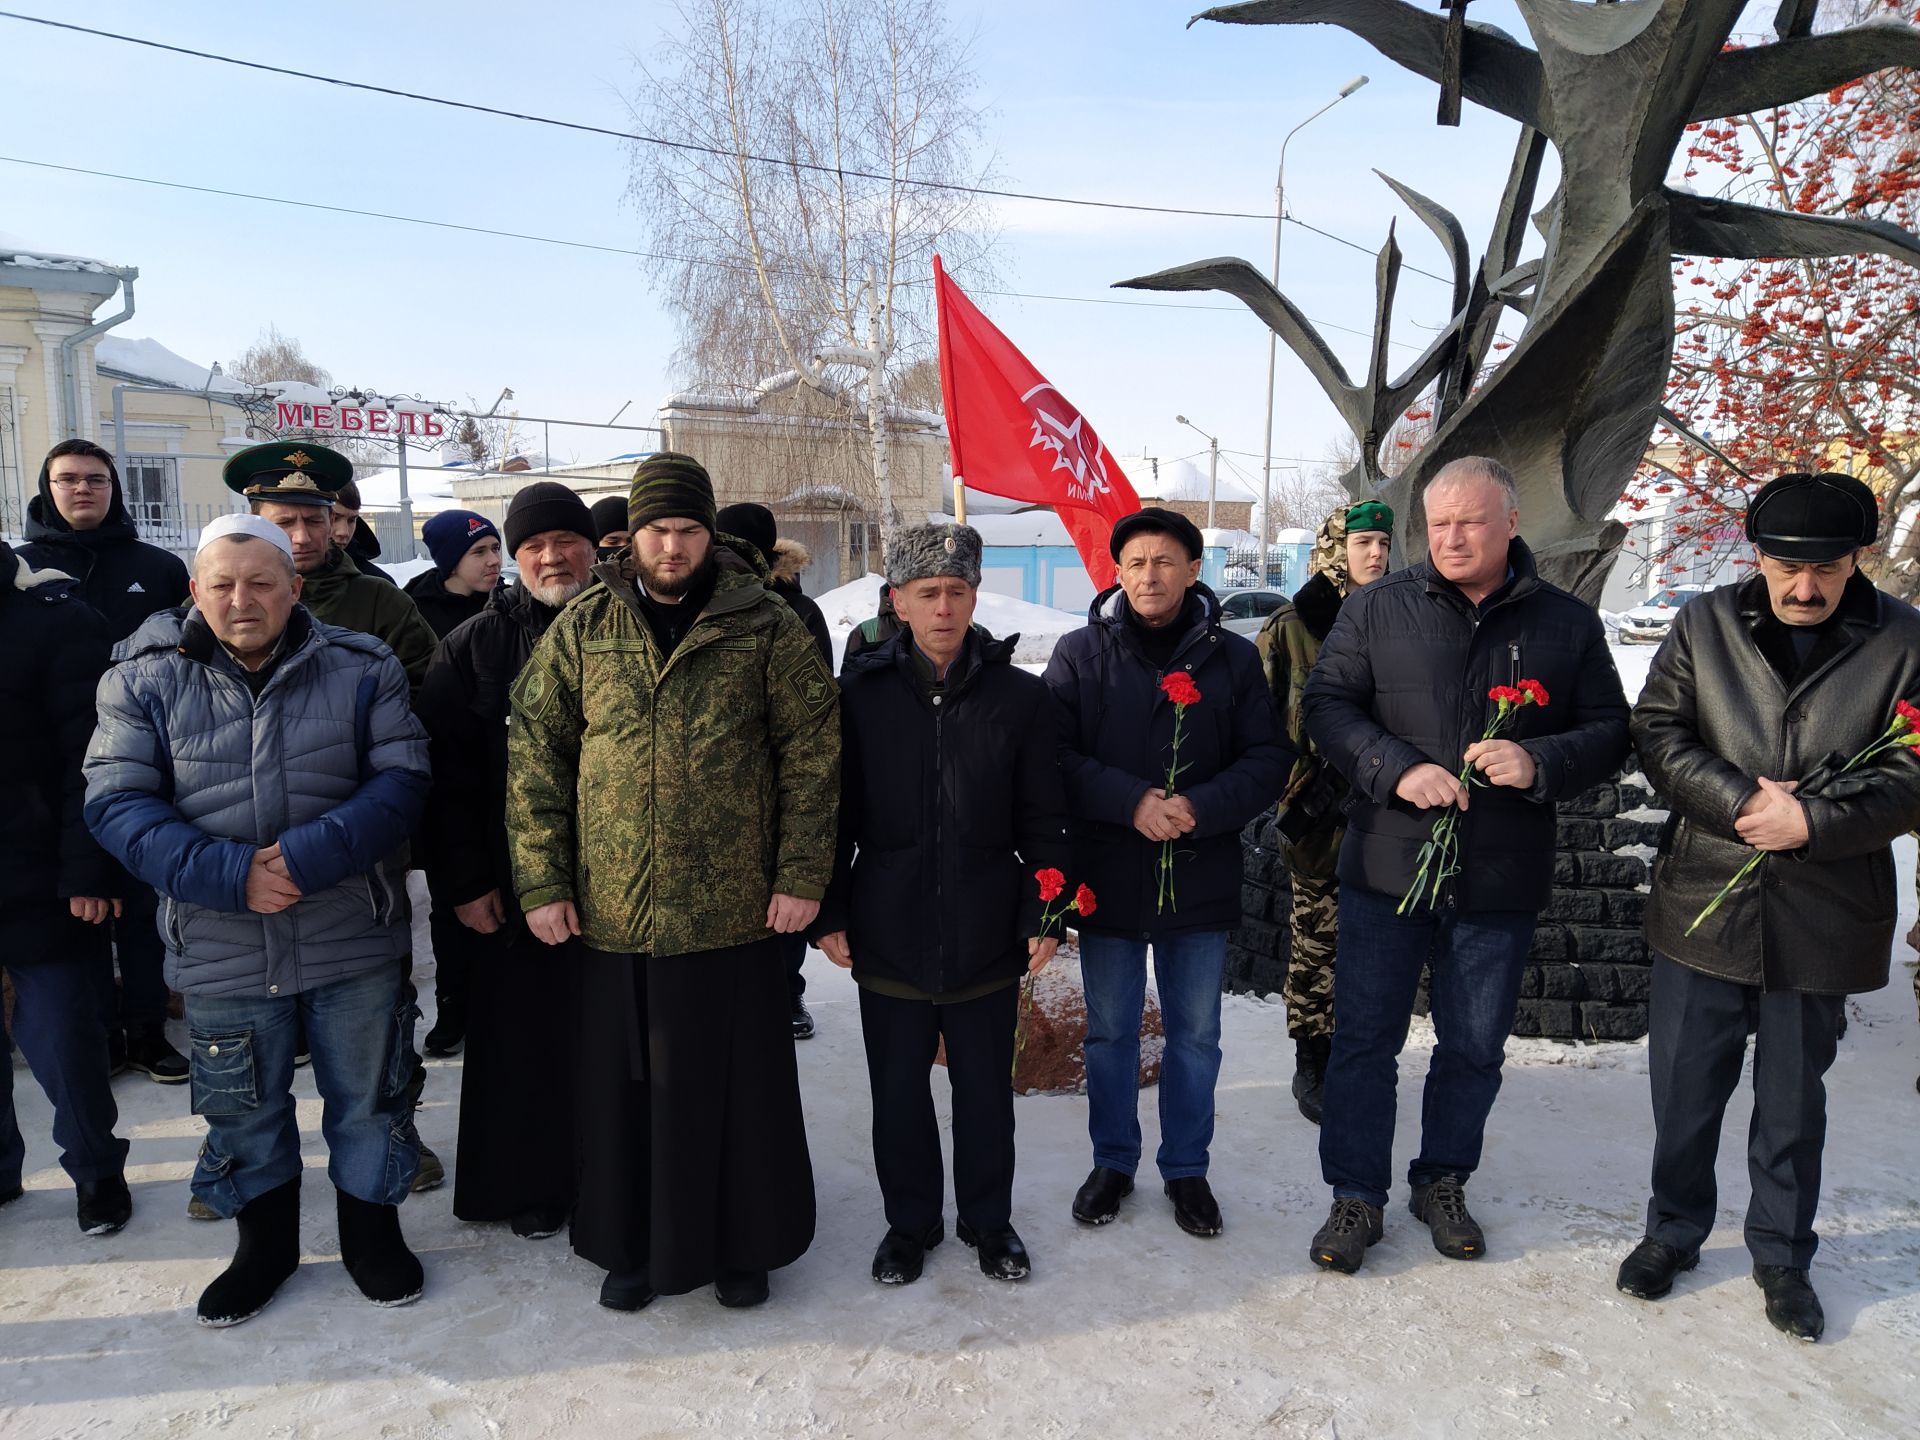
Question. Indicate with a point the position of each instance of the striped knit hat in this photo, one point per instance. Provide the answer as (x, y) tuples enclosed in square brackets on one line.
[(670, 486)]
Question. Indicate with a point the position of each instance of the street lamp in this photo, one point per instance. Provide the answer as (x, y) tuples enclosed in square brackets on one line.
[(1213, 463), (1279, 213)]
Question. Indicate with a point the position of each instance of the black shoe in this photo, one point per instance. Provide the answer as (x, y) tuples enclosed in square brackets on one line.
[(900, 1257), (1791, 1304), (431, 1175), (1647, 1274), (1194, 1208), (537, 1222), (268, 1254), (1002, 1256), (1310, 1054), (627, 1290), (741, 1289), (375, 1252), (1352, 1225), (1098, 1200), (802, 1020), (448, 1034), (150, 1054), (1442, 1204), (103, 1205)]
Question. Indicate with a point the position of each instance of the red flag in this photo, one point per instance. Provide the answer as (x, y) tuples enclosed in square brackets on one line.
[(1013, 434)]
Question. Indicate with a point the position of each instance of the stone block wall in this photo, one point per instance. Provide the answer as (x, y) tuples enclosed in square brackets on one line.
[(1586, 976)]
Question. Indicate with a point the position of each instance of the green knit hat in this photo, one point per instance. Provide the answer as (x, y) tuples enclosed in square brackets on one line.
[(1370, 515), (668, 486)]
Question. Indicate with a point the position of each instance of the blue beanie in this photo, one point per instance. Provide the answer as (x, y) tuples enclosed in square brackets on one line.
[(451, 533)]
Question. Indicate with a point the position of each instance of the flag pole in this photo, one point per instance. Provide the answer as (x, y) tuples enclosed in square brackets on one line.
[(959, 501)]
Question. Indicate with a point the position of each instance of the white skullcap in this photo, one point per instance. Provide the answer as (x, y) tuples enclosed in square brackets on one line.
[(248, 527)]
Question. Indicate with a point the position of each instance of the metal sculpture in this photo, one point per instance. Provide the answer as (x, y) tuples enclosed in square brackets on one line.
[(1612, 87)]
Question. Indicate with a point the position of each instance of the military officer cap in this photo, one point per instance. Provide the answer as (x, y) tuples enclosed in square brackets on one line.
[(295, 472), (1808, 519)]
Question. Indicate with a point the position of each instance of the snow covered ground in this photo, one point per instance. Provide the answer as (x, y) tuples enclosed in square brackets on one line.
[(1131, 1330)]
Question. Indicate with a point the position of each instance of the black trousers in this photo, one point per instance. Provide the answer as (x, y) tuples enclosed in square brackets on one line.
[(1695, 1049), (142, 1001), (693, 1147), (796, 953), (517, 1103), (902, 1037), (456, 950)]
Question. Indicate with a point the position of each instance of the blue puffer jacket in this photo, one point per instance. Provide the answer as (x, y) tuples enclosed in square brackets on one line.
[(189, 773)]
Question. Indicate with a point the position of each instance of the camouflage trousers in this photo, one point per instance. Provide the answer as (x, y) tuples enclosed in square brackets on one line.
[(1308, 991)]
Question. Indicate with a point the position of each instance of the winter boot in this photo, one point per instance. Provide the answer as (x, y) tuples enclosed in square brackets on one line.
[(1341, 1244), (269, 1252), (1310, 1054), (102, 1206), (149, 1052), (375, 1252), (449, 1030), (1792, 1306), (1443, 1206)]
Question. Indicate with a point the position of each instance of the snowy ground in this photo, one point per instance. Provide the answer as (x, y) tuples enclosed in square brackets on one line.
[(1134, 1329)]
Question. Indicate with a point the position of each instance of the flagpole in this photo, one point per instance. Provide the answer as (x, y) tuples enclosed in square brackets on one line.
[(959, 501)]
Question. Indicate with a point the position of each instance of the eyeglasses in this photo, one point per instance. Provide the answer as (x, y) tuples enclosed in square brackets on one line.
[(82, 482)]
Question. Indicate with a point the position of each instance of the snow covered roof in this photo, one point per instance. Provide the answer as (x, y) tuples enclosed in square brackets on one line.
[(1027, 527), (1229, 539), (429, 487), (17, 252), (147, 359), (1294, 535)]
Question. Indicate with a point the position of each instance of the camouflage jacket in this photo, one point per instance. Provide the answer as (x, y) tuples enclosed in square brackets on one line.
[(671, 801), (1289, 644)]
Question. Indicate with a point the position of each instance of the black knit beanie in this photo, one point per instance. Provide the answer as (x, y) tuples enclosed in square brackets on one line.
[(670, 486), (542, 506), (609, 515), (753, 524)]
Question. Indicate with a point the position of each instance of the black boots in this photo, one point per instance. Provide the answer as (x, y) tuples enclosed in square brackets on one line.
[(1341, 1244), (1002, 1255), (269, 1252), (1098, 1200), (1648, 1273), (802, 1020), (376, 1254), (1791, 1304), (102, 1206), (1442, 1205), (900, 1256), (627, 1290), (741, 1289), (1310, 1054), (1194, 1208), (449, 1030)]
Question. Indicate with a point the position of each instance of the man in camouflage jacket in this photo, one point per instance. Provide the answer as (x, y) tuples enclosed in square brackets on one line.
[(1351, 550), (673, 774)]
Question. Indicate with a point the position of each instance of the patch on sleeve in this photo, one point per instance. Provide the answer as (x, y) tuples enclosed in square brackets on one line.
[(534, 694), (811, 683)]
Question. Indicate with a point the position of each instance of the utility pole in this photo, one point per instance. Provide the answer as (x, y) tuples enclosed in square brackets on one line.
[(1213, 466)]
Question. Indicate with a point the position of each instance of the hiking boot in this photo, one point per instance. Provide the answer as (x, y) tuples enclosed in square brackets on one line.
[(1310, 1054), (375, 1252), (1352, 1225), (1194, 1208), (1792, 1306), (102, 1206), (432, 1174), (1099, 1197), (1442, 1204), (267, 1255), (1648, 1273)]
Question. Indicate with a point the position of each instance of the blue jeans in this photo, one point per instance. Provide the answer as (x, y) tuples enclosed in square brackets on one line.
[(1187, 969), (1476, 957), (360, 1034)]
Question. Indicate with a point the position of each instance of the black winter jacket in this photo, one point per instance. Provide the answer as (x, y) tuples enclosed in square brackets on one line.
[(1403, 679), (1714, 715), (950, 802), (1116, 739), (53, 650), (364, 549), (120, 575), (440, 607), (463, 704)]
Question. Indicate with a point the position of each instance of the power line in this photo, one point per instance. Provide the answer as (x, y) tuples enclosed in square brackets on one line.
[(718, 151), (606, 249)]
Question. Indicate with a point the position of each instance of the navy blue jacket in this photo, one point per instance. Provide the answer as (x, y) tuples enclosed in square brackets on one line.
[(1116, 738), (951, 805), (1403, 678)]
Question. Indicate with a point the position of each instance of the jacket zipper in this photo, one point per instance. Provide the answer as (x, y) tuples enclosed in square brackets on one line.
[(939, 843)]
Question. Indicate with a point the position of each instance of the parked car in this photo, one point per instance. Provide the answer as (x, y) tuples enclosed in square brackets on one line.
[(1245, 611), (1648, 624)]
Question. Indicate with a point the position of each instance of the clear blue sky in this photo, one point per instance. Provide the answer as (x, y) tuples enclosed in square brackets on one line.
[(1111, 100)]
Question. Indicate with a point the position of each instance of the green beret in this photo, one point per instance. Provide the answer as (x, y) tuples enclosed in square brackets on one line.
[(1370, 515), (296, 472)]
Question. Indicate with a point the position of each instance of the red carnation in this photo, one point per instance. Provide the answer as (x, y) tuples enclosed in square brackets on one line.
[(1907, 713), (1536, 690), (1083, 900), (1180, 689), (1052, 882), (1507, 695)]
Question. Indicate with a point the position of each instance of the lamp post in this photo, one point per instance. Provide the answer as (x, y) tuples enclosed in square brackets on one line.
[(1213, 463), (1279, 214)]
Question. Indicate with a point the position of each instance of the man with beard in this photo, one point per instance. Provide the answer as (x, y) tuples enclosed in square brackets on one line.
[(79, 524), (1351, 552), (673, 773), (516, 1136)]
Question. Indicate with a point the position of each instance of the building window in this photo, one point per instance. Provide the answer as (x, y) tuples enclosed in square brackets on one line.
[(150, 486)]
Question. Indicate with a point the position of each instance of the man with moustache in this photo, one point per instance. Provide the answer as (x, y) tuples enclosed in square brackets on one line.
[(672, 780), (516, 1133)]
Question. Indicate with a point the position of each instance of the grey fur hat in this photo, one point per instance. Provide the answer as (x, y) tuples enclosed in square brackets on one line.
[(921, 552)]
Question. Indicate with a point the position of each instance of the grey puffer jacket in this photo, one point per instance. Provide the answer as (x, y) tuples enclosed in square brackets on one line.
[(190, 772), (1714, 715)]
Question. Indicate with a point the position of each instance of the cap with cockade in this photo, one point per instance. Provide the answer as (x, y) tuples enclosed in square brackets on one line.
[(296, 472)]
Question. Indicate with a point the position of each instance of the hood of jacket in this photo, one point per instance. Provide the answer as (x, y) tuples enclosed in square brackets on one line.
[(47, 525), (17, 574), (789, 558)]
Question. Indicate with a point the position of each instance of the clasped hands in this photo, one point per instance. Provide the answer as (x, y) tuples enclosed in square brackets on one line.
[(1160, 816), (1501, 762), (1772, 818)]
